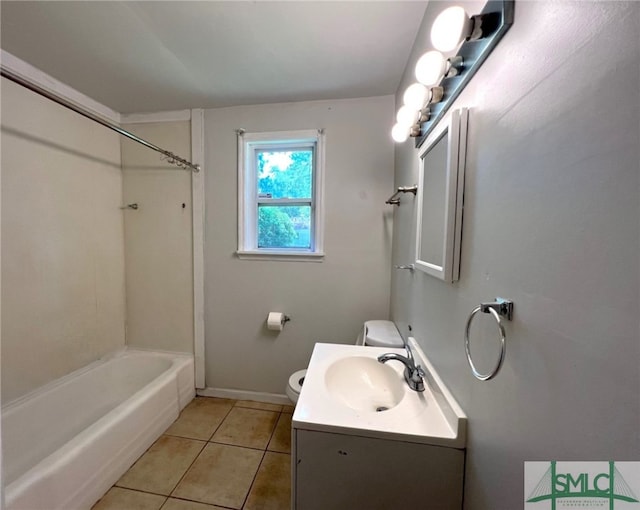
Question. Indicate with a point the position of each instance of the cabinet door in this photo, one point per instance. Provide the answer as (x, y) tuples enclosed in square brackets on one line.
[(339, 472)]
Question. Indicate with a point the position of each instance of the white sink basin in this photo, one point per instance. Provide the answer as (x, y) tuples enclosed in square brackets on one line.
[(345, 385), (364, 384)]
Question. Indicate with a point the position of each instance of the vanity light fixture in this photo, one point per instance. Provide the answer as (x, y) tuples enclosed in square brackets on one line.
[(450, 27), (407, 116), (430, 68), (415, 111), (415, 96), (425, 115), (441, 79), (400, 133)]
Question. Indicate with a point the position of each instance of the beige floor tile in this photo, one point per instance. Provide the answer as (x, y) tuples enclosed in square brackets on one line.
[(281, 439), (159, 470), (259, 405), (121, 499), (221, 475), (181, 504), (246, 427), (201, 418), (272, 487), (288, 409)]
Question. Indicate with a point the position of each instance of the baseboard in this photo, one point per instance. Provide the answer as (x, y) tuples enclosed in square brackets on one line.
[(258, 396)]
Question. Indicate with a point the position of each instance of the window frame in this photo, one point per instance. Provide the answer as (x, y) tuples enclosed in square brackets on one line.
[(248, 145)]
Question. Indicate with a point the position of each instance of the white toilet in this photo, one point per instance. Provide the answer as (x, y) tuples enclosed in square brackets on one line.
[(376, 333)]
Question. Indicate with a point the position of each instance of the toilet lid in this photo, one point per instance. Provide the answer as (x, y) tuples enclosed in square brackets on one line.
[(382, 334), (296, 380)]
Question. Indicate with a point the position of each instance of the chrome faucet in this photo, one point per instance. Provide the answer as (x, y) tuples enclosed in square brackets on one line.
[(413, 373)]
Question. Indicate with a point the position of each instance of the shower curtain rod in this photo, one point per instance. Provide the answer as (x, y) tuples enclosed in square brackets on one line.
[(172, 158)]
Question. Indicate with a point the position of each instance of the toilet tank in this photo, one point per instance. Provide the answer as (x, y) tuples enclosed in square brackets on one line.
[(380, 333)]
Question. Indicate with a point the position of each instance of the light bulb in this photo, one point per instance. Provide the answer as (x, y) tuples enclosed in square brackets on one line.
[(400, 133), (415, 96), (450, 27), (406, 116), (430, 68)]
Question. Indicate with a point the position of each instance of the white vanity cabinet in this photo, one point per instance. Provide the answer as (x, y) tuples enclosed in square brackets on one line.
[(348, 472)]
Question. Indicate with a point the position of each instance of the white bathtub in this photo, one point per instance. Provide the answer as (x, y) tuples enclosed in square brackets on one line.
[(65, 444)]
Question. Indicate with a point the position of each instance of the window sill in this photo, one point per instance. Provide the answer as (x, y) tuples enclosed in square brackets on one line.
[(285, 256)]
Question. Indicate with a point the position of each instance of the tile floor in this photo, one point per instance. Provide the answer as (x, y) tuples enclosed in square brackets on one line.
[(218, 454)]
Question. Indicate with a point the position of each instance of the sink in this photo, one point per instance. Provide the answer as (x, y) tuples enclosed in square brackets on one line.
[(345, 385), (364, 384), (339, 442)]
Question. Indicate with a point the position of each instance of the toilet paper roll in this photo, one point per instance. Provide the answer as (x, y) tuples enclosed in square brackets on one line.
[(275, 321)]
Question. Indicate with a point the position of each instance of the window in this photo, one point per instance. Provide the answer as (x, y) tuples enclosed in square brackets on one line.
[(279, 195)]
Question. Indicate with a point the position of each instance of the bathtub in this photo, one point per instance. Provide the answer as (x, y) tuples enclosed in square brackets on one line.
[(65, 444)]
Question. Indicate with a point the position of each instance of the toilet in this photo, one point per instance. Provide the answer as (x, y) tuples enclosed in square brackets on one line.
[(375, 333)]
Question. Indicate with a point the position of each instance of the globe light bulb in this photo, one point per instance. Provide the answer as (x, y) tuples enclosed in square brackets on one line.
[(450, 27), (430, 68), (400, 133), (406, 116), (415, 95)]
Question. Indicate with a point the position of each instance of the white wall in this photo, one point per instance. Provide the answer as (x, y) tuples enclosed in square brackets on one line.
[(158, 240), (1, 448), (327, 301), (62, 241), (551, 222)]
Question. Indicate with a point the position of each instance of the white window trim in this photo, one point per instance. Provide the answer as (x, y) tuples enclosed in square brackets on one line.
[(246, 196)]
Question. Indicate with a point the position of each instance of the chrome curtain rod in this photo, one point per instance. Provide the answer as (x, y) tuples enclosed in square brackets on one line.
[(172, 158)]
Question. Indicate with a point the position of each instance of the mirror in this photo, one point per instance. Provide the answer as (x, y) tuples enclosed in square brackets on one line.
[(440, 197)]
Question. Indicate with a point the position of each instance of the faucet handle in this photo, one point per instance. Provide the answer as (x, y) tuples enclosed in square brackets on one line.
[(415, 378)]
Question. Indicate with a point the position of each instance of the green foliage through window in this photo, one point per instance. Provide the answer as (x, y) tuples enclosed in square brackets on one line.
[(284, 175), (279, 227)]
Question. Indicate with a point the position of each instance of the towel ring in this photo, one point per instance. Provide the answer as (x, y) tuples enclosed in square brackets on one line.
[(501, 307)]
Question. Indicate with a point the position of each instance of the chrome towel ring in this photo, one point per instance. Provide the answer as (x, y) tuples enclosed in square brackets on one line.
[(500, 308)]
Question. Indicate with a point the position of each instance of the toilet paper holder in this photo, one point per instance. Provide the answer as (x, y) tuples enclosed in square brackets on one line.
[(277, 320)]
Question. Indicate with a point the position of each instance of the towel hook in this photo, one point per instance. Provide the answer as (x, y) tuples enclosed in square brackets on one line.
[(394, 200)]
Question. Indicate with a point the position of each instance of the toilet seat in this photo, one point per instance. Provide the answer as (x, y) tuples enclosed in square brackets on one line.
[(295, 384)]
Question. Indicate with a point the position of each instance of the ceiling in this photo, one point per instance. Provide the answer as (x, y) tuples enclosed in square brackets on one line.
[(168, 55)]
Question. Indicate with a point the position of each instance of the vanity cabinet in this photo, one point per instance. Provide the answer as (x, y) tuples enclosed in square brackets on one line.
[(349, 472)]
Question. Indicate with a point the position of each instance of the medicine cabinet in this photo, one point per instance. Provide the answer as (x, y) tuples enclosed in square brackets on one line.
[(440, 198)]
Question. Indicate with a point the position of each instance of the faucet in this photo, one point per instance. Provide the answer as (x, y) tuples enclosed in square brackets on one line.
[(413, 373)]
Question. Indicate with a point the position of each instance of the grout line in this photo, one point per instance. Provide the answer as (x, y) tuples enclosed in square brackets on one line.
[(187, 437), (273, 431), (273, 434), (239, 446), (137, 490), (264, 454), (188, 469), (221, 422), (244, 406), (255, 475), (182, 498)]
